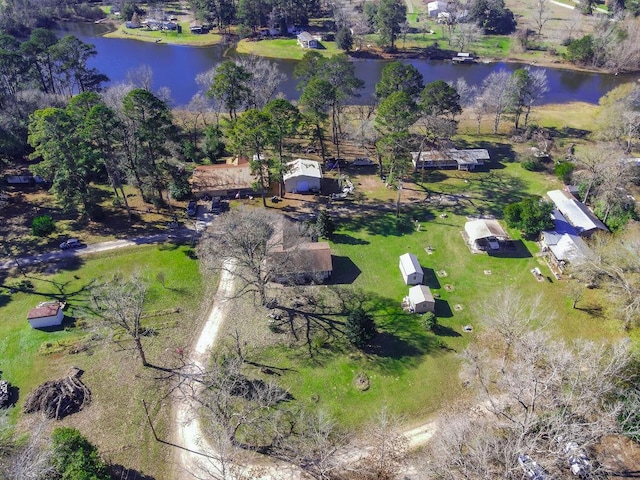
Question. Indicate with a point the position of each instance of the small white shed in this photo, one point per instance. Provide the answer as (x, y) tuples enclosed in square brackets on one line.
[(302, 176), (411, 270), (47, 314), (421, 300)]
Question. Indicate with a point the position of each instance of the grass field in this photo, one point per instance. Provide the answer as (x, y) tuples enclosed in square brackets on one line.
[(412, 371), (114, 420), (286, 48)]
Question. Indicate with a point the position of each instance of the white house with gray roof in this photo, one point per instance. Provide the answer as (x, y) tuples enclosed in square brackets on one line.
[(576, 213)]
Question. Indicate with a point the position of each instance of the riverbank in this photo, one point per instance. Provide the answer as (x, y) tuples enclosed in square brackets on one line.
[(185, 38)]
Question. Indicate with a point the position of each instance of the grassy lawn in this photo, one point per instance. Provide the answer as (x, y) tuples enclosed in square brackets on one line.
[(184, 38), (114, 420), (286, 48), (412, 371)]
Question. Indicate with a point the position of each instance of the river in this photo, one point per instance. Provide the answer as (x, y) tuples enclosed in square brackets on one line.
[(176, 67)]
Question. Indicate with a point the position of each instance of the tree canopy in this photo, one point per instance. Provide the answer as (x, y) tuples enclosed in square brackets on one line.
[(530, 216)]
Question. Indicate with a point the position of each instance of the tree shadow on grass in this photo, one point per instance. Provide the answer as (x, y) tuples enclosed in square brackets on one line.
[(444, 331), (511, 249), (593, 310), (4, 299), (121, 472), (347, 239), (377, 222)]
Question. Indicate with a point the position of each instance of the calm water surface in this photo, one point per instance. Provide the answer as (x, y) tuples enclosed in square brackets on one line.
[(176, 67)]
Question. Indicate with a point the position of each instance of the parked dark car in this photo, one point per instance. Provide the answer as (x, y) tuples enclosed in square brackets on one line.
[(70, 244)]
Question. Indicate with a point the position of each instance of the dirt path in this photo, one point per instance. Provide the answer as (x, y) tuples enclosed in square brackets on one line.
[(195, 457), (195, 451)]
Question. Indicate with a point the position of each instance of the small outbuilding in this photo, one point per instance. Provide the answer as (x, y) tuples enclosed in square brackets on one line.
[(421, 299), (303, 176), (484, 234), (436, 7), (411, 270), (46, 314)]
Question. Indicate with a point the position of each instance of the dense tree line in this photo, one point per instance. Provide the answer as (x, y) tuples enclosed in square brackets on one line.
[(43, 70), (276, 14), (19, 17)]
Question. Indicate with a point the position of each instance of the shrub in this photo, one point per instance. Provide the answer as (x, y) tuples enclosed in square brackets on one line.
[(564, 170), (531, 164), (75, 458), (360, 327), (179, 189), (325, 225), (42, 226), (430, 321)]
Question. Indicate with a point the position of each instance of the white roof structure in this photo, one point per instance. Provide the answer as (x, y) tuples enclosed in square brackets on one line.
[(565, 244), (436, 6), (575, 212), (303, 167), (484, 228), (419, 294), (410, 263)]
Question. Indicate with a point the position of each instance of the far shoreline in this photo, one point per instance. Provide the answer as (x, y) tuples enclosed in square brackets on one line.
[(212, 39)]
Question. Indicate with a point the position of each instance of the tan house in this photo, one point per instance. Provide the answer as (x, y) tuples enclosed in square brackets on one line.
[(421, 299), (232, 179), (296, 260)]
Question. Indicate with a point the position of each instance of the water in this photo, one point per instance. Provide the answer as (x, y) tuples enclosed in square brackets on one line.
[(176, 67)]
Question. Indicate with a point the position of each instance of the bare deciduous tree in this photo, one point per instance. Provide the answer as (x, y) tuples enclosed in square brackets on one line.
[(541, 395), (265, 80), (261, 244), (386, 452), (465, 35), (542, 15), (120, 303), (615, 267), (593, 163), (497, 95), (31, 460)]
